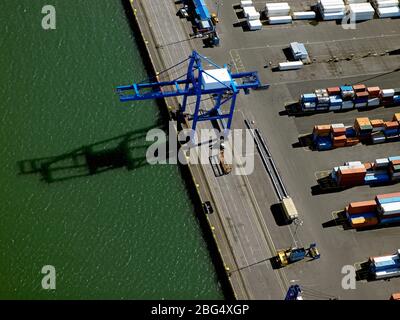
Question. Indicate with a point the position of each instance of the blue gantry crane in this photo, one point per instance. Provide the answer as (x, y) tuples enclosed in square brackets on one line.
[(219, 82)]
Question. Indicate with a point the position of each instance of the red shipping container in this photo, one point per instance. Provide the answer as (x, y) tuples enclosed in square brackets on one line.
[(333, 91), (361, 207), (374, 92), (359, 87)]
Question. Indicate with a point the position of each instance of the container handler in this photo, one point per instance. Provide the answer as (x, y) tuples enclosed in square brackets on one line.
[(289, 256)]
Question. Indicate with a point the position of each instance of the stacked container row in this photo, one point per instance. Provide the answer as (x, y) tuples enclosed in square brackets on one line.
[(326, 137), (278, 13), (385, 266), (331, 9), (386, 8), (383, 210), (355, 173), (348, 97)]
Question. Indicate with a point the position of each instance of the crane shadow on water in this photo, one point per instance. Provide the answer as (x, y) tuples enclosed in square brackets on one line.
[(127, 150)]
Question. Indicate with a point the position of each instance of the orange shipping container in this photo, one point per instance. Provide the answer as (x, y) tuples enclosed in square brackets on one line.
[(359, 87), (377, 123), (368, 165), (396, 117), (322, 129), (391, 125), (361, 207), (352, 141), (333, 91), (362, 222), (362, 122), (395, 296), (362, 94)]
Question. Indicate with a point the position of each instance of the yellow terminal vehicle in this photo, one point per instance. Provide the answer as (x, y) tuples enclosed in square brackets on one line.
[(288, 256)]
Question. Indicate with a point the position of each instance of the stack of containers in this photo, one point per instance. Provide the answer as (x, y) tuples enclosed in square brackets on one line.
[(338, 135), (322, 99), (360, 10), (348, 95), (391, 130), (394, 168), (321, 137), (331, 9), (374, 96), (362, 214), (387, 96), (361, 96), (308, 101), (378, 126), (278, 13), (351, 174), (378, 172), (385, 266), (253, 18), (386, 8), (381, 171), (388, 207), (363, 127)]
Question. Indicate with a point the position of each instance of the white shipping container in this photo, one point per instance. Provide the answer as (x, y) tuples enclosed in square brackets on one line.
[(246, 3), (347, 105), (293, 65), (253, 15), (337, 125), (381, 163), (389, 12), (374, 102), (386, 3), (254, 24), (279, 20), (333, 16), (389, 208), (387, 92), (299, 15)]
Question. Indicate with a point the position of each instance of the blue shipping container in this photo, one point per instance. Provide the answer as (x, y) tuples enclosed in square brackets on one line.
[(389, 200), (371, 178), (390, 220), (346, 88)]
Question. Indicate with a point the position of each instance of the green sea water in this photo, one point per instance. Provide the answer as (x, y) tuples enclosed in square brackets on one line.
[(118, 234)]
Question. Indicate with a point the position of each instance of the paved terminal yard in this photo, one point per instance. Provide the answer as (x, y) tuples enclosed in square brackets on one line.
[(248, 226)]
